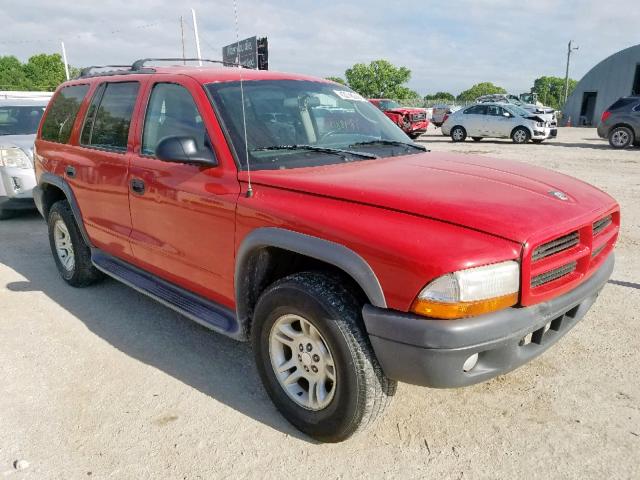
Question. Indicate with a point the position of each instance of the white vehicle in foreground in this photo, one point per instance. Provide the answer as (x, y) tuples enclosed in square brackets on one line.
[(20, 115), (497, 120)]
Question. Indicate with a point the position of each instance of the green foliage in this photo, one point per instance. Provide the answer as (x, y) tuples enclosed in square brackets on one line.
[(479, 89), (380, 79), (339, 80), (440, 96), (550, 90), (41, 72)]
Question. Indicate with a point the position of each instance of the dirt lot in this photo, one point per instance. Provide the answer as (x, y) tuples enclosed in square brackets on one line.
[(105, 383)]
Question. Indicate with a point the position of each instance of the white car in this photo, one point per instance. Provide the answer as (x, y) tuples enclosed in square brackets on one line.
[(497, 120), (19, 119), (548, 114)]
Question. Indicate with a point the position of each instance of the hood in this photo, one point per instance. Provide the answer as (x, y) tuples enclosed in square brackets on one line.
[(25, 142), (503, 198)]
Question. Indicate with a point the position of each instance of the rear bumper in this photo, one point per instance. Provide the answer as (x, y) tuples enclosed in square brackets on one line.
[(428, 352)]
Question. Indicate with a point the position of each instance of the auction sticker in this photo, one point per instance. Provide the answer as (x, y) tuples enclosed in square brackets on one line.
[(347, 95)]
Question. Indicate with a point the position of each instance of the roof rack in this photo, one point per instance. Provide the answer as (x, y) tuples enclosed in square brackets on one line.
[(139, 66)]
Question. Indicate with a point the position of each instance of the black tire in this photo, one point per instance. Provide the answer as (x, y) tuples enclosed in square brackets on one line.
[(476, 139), (362, 391), (458, 134), (413, 136), (621, 137), (82, 273), (537, 140), (520, 135)]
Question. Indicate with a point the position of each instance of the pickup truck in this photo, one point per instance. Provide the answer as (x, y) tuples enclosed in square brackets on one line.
[(412, 121), (288, 211)]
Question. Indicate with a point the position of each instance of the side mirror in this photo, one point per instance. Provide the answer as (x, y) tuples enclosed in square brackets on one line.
[(506, 114), (184, 150)]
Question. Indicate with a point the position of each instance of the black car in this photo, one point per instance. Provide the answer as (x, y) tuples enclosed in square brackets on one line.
[(620, 123)]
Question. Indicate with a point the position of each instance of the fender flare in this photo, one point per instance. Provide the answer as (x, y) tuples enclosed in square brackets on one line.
[(47, 178), (330, 252)]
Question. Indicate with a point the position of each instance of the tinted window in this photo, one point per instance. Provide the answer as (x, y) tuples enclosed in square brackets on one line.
[(20, 120), (494, 110), (622, 102), (62, 113), (477, 110), (109, 117), (171, 112)]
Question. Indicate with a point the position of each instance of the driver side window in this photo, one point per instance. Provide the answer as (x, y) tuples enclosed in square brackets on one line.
[(171, 112)]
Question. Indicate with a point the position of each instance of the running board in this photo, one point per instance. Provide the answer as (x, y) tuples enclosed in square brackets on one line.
[(205, 312)]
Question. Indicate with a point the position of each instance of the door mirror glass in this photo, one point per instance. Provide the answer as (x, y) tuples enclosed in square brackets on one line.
[(507, 114), (184, 150)]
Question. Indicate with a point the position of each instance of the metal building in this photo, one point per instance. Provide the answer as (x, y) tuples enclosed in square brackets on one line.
[(614, 77)]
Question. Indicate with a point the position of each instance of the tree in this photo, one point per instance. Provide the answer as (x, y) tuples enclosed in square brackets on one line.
[(550, 90), (41, 72), (380, 79), (339, 80), (440, 96), (478, 90)]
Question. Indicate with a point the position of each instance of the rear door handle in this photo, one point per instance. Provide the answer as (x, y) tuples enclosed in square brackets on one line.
[(70, 171), (137, 186)]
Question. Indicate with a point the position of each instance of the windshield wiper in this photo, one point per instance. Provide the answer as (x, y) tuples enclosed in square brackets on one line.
[(390, 142), (335, 151)]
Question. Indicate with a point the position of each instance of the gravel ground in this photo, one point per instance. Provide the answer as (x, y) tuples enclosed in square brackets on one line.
[(105, 383)]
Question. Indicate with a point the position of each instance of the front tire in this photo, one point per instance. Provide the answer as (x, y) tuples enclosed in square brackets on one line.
[(458, 134), (70, 252), (314, 358), (520, 135), (621, 137)]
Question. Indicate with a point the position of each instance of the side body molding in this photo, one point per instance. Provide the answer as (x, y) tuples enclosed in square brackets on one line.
[(248, 263), (61, 183)]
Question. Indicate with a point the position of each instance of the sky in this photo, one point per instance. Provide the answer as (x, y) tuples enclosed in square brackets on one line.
[(448, 46)]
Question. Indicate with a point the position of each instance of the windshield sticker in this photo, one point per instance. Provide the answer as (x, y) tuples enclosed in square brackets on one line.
[(347, 95)]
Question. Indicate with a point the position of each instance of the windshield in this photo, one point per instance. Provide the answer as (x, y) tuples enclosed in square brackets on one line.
[(20, 120), (293, 123), (518, 111), (389, 104)]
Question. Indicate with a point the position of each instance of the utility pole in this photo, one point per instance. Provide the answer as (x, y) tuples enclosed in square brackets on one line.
[(566, 76), (195, 31), (64, 59), (182, 37)]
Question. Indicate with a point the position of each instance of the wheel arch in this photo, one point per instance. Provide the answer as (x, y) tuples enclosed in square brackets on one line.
[(269, 253), (528, 129)]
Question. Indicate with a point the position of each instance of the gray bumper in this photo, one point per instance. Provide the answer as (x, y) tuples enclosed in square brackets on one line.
[(428, 352)]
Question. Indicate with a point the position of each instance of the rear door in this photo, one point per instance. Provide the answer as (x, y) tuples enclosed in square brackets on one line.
[(99, 175), (473, 120), (183, 214)]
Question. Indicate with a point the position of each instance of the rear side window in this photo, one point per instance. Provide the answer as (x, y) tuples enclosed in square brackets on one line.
[(109, 116), (477, 110), (62, 113), (622, 102)]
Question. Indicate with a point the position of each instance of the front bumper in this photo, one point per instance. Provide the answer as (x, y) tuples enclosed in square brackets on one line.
[(17, 182), (429, 352)]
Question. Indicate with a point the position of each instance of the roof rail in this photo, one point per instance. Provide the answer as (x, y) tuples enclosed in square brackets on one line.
[(139, 64)]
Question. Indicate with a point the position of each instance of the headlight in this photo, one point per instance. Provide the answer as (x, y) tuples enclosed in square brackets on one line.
[(470, 292), (14, 157)]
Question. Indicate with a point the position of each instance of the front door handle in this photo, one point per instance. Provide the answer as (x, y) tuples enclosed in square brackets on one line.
[(137, 186), (70, 171)]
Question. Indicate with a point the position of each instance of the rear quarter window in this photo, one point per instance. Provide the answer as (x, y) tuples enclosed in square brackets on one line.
[(622, 103), (62, 113)]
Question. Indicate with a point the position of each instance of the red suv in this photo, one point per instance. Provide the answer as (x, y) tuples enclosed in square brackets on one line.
[(288, 211)]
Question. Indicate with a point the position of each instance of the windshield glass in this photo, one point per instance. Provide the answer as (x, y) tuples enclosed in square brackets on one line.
[(389, 104), (518, 111), (20, 120), (294, 123)]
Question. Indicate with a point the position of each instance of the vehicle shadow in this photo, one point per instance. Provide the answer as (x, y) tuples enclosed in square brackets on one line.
[(142, 328)]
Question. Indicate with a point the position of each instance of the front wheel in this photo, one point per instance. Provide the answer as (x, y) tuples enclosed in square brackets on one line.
[(621, 137), (314, 359), (458, 134), (520, 135)]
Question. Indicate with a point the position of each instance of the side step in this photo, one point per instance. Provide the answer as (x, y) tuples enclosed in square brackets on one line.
[(200, 310)]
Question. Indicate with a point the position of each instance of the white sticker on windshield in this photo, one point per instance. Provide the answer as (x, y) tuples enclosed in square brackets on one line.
[(347, 95)]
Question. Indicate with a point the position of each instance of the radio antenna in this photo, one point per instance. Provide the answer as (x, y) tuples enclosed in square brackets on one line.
[(244, 116)]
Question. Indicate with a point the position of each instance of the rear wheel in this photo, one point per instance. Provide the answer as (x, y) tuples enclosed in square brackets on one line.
[(621, 137), (458, 134), (520, 135), (314, 359), (70, 252), (476, 139)]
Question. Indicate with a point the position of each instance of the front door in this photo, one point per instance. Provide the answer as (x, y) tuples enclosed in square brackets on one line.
[(183, 215)]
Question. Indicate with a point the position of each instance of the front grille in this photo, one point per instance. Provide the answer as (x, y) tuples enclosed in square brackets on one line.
[(552, 275), (555, 246), (598, 250), (417, 117), (601, 224)]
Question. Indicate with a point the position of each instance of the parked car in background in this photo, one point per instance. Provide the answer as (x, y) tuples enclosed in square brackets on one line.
[(412, 121), (440, 113), (547, 113), (620, 123), (497, 120), (20, 115)]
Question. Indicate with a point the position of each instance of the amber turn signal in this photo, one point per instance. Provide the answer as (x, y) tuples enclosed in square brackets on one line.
[(449, 311)]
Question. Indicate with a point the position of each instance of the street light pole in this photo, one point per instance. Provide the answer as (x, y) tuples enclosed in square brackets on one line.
[(566, 76)]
